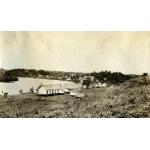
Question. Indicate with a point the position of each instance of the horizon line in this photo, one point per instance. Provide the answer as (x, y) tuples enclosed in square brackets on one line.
[(75, 71)]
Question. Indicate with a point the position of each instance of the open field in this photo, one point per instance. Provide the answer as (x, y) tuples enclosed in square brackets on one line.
[(130, 99)]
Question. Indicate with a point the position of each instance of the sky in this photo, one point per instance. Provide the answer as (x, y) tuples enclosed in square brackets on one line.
[(126, 52)]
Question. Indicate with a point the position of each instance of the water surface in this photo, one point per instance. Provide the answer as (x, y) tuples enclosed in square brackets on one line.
[(26, 84)]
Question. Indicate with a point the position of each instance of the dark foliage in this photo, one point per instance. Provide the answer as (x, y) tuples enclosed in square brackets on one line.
[(145, 74), (86, 82), (7, 77), (60, 75), (111, 77)]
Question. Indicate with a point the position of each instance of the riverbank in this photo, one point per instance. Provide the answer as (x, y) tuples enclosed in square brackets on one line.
[(131, 99)]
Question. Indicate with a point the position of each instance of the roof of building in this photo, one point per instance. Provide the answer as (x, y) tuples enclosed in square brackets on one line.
[(52, 86), (60, 86)]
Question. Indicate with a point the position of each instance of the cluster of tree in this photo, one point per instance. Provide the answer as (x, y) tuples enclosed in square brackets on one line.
[(26, 72), (145, 74), (111, 77), (44, 74), (7, 77), (86, 82)]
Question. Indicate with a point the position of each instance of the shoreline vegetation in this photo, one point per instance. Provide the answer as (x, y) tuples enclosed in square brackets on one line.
[(103, 76)]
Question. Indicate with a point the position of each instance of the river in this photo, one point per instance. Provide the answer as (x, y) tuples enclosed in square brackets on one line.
[(25, 84)]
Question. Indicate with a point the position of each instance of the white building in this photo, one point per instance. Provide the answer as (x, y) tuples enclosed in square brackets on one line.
[(56, 89), (76, 93), (101, 85), (50, 90)]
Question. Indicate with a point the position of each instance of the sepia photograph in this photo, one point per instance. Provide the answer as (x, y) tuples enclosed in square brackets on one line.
[(75, 74)]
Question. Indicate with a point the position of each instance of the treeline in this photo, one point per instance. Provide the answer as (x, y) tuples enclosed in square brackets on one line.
[(44, 74), (7, 77), (111, 77), (103, 76), (26, 72)]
